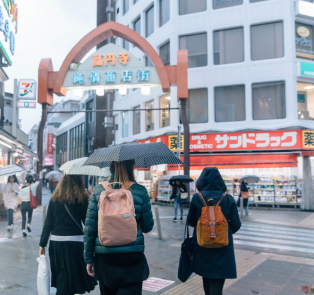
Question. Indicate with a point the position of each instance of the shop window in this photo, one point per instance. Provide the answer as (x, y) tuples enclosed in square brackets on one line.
[(228, 46), (136, 120), (125, 124), (197, 106), (164, 52), (164, 11), (267, 41), (304, 40), (149, 21), (148, 62), (217, 4), (305, 101), (230, 103), (191, 6), (137, 25), (269, 101), (149, 116), (126, 6), (164, 103), (197, 49)]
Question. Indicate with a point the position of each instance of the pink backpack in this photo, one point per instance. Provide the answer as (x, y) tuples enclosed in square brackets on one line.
[(116, 216)]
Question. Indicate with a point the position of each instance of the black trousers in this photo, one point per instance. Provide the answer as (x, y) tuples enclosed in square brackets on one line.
[(213, 286), (26, 208), (10, 216), (129, 289)]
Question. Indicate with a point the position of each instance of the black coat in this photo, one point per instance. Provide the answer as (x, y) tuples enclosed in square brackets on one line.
[(174, 190), (214, 263)]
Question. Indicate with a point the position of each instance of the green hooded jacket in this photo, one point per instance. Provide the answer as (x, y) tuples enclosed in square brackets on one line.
[(144, 218)]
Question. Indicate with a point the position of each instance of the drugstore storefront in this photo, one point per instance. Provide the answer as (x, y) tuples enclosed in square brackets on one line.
[(275, 156)]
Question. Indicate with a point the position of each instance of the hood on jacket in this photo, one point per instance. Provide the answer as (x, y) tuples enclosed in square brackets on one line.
[(211, 179)]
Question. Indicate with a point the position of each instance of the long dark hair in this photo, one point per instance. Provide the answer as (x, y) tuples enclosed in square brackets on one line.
[(70, 190), (15, 179), (123, 172)]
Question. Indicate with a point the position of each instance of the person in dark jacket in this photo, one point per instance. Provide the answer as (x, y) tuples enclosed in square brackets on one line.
[(66, 212), (119, 269), (245, 201), (177, 188), (214, 264)]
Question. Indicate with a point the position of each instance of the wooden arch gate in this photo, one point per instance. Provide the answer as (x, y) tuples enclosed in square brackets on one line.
[(50, 82)]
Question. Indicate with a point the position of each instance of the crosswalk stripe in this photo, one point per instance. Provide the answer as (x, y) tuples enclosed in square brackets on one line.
[(281, 228), (280, 247)]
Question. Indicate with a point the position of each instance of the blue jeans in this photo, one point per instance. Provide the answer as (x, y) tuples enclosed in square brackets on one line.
[(245, 205), (10, 216), (176, 205)]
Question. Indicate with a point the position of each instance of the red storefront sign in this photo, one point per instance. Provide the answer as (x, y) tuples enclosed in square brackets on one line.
[(49, 143), (243, 141), (48, 160)]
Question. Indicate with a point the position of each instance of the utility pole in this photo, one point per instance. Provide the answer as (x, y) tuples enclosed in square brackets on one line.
[(186, 127), (14, 114), (179, 147)]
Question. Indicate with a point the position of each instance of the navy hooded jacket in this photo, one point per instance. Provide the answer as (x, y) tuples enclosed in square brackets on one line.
[(215, 263)]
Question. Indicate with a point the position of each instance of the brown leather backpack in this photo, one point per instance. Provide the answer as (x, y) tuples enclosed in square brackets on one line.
[(212, 226)]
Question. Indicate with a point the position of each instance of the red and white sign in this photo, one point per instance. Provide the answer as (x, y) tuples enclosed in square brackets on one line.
[(155, 284), (50, 137), (48, 160), (26, 104)]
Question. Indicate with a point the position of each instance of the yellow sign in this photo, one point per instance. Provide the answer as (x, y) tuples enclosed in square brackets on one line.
[(308, 138), (173, 143), (303, 32)]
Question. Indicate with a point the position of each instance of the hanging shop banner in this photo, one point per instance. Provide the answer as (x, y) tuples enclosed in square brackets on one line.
[(26, 104), (48, 161), (50, 137), (111, 67), (27, 89), (243, 141), (8, 28)]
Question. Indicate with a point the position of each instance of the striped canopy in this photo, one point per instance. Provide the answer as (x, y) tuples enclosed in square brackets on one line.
[(144, 154), (10, 170), (75, 167)]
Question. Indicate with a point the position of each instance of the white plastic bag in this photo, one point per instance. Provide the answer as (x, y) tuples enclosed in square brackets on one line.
[(43, 276)]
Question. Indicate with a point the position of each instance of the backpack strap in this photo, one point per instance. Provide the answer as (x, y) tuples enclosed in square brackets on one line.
[(223, 195), (202, 199), (212, 220)]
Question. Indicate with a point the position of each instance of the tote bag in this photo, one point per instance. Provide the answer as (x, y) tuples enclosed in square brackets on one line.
[(186, 257), (32, 199)]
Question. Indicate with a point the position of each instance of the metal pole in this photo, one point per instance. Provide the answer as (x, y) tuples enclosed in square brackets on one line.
[(186, 127), (179, 146), (241, 207), (14, 114), (40, 149), (44, 215), (158, 223)]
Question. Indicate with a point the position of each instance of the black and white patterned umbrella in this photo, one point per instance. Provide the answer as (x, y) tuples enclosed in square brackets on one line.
[(144, 154)]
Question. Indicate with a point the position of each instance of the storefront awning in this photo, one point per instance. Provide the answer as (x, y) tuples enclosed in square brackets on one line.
[(199, 162)]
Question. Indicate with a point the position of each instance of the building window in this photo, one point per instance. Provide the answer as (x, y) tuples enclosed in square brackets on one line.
[(137, 25), (191, 6), (228, 46), (197, 106), (197, 49), (126, 6), (305, 101), (269, 101), (61, 148), (148, 62), (125, 124), (77, 136), (149, 116), (267, 41), (164, 52), (134, 1), (223, 3), (164, 11), (304, 40), (230, 103), (150, 20), (90, 116), (136, 120), (164, 103), (90, 145)]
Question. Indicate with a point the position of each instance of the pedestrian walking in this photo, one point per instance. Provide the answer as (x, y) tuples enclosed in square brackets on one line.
[(53, 182), (10, 193), (214, 265), (66, 212), (24, 195), (120, 269), (244, 193), (177, 188)]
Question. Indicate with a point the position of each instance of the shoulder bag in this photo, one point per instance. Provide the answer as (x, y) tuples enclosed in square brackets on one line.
[(73, 218), (32, 199)]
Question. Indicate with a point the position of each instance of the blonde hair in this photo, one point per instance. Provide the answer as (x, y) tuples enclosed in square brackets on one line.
[(123, 172)]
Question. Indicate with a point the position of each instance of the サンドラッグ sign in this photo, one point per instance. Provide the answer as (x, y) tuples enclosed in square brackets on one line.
[(111, 67), (8, 28)]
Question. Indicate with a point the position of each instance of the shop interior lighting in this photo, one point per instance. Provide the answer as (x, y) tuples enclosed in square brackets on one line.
[(123, 91), (145, 90), (5, 144), (78, 93), (309, 87), (100, 91), (299, 112), (168, 97), (302, 116), (15, 154)]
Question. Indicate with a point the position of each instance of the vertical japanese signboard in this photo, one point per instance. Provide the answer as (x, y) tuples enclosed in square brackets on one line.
[(50, 140)]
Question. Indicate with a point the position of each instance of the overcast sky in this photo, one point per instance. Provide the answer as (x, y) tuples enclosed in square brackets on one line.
[(46, 29)]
